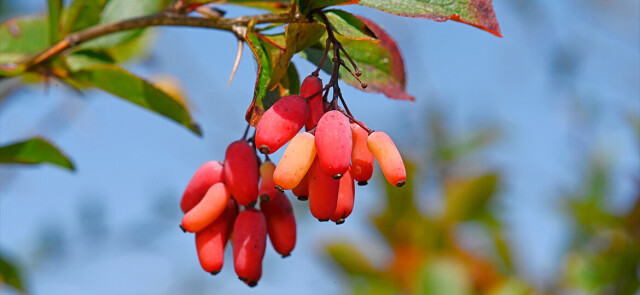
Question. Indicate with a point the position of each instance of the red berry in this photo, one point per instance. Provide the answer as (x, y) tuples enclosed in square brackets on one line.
[(281, 224), (334, 143), (385, 151), (323, 192), (361, 157), (311, 85), (280, 123), (210, 207), (207, 175), (295, 162), (211, 241), (241, 172), (302, 189), (346, 195), (249, 243)]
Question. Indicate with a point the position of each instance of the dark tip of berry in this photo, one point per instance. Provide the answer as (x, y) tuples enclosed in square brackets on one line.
[(182, 228), (303, 198), (337, 176), (340, 221), (362, 183), (400, 183), (215, 272), (252, 284), (242, 279), (286, 255), (251, 205), (279, 188), (264, 198), (323, 220), (264, 149)]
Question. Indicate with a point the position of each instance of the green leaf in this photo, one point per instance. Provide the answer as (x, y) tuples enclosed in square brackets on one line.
[(82, 14), (20, 37), (348, 25), (380, 62), (466, 198), (119, 82), (116, 10), (307, 6), (86, 58), (445, 276), (350, 259), (270, 5), (34, 151), (263, 98), (478, 13), (55, 10), (290, 83), (10, 275)]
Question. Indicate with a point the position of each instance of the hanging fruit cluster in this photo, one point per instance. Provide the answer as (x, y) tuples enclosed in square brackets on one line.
[(321, 165)]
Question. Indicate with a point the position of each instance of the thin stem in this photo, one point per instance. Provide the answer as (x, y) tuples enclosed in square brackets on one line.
[(352, 119), (326, 87), (246, 132), (324, 57), (159, 19)]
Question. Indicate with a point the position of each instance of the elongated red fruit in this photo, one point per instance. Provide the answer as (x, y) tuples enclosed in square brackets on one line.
[(334, 143), (232, 210), (361, 157), (207, 175), (281, 224), (209, 208), (267, 188), (211, 241), (295, 161), (301, 191), (310, 86), (280, 123), (249, 243), (346, 193), (241, 172), (323, 192), (385, 151)]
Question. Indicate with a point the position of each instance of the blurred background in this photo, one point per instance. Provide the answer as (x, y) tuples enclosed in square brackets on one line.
[(523, 154)]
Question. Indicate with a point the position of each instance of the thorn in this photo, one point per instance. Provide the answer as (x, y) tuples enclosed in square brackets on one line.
[(237, 62), (279, 188), (264, 149), (303, 198), (340, 221), (215, 272), (182, 228), (362, 183), (337, 176), (400, 183)]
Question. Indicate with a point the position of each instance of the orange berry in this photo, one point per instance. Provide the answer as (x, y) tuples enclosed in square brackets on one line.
[(385, 151), (361, 157), (280, 123), (210, 207), (295, 162), (267, 188), (207, 175)]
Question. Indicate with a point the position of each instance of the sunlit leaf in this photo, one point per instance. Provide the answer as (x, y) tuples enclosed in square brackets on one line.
[(34, 151), (466, 198), (121, 83), (348, 25), (478, 13), (444, 276), (263, 98), (55, 11), (290, 83), (380, 62), (10, 275), (20, 37), (87, 58), (307, 6), (82, 14)]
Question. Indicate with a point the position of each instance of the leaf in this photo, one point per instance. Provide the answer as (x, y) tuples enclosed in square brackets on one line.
[(34, 151), (478, 13), (263, 98), (86, 58), (55, 11), (290, 83), (380, 62), (348, 25), (20, 37), (119, 82), (307, 6), (10, 275), (350, 259), (82, 14), (466, 198), (445, 276), (116, 10)]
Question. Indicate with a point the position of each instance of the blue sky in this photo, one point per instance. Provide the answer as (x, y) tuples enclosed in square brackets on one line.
[(132, 164)]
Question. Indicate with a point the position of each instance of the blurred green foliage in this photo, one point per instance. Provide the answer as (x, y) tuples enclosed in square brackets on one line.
[(430, 257)]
